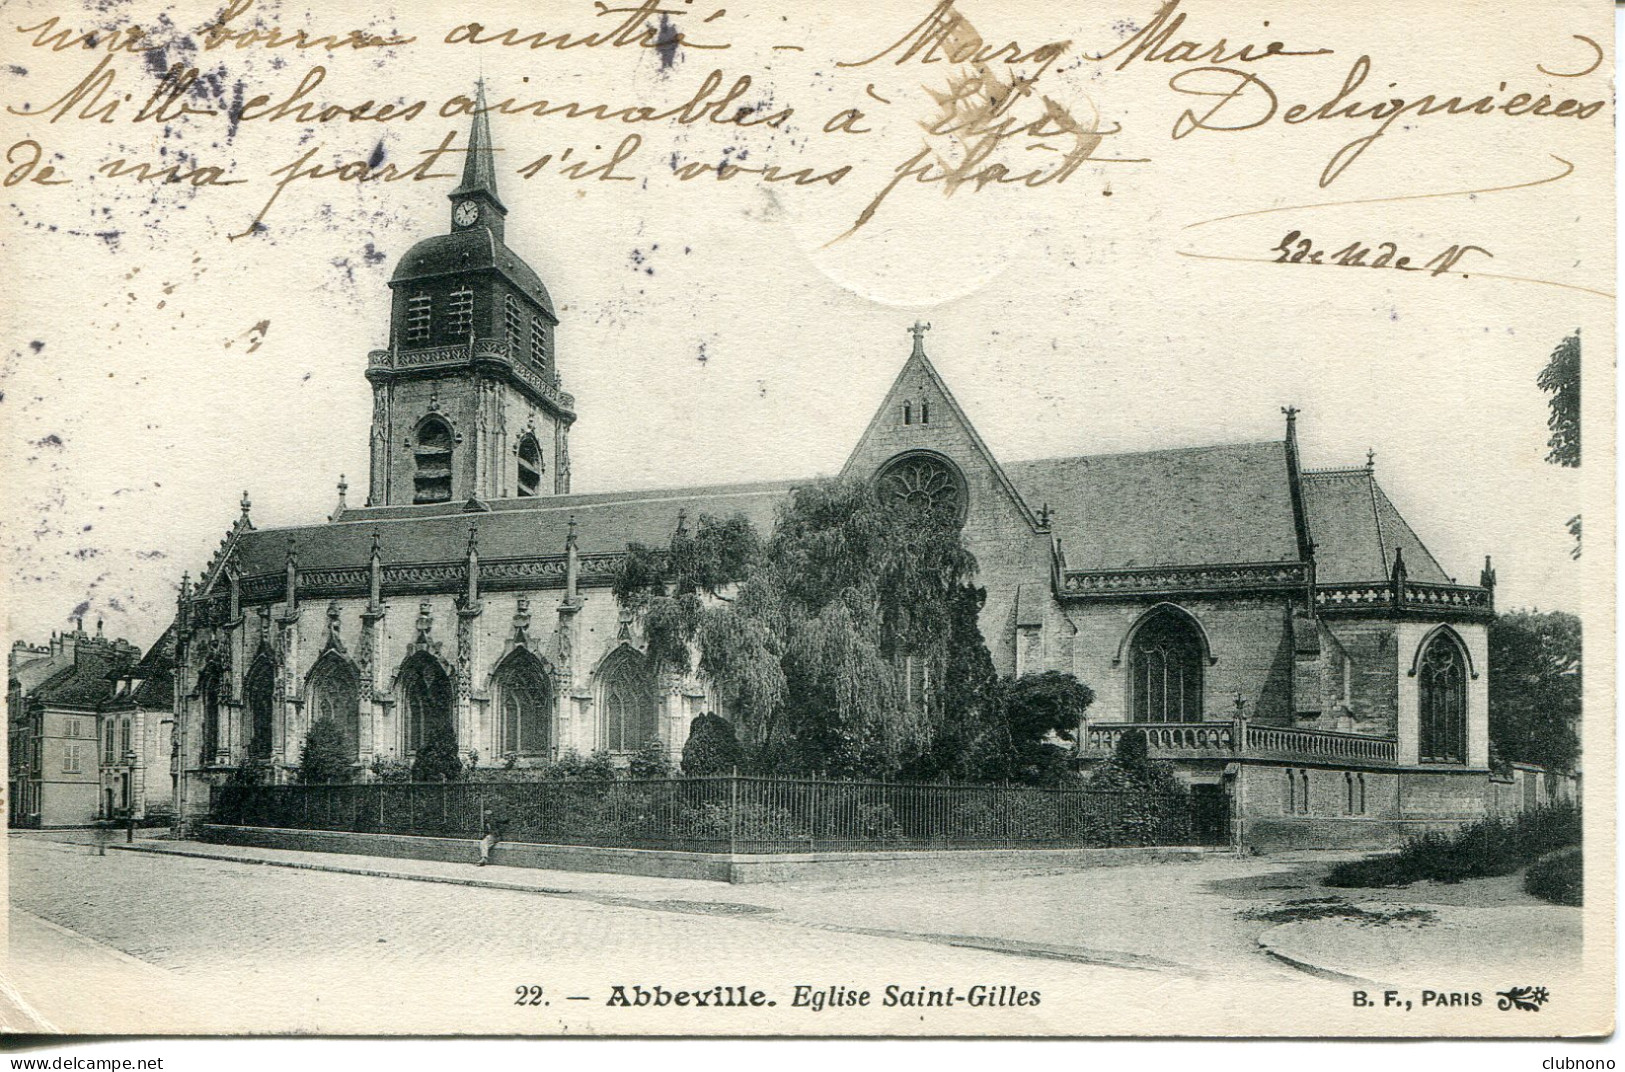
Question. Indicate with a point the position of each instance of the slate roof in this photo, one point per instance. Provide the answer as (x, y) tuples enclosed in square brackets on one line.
[(85, 683), (471, 250), (1356, 528), (155, 671), (511, 528), (1189, 507)]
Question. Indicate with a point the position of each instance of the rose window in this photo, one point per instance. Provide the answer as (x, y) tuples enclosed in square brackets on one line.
[(923, 482)]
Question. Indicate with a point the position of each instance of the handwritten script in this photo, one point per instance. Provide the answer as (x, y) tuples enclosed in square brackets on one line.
[(979, 109)]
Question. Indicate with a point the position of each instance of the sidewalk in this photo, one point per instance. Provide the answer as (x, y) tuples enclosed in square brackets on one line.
[(599, 887)]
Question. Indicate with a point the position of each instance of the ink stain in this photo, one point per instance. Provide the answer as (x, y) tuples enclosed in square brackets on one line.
[(666, 43)]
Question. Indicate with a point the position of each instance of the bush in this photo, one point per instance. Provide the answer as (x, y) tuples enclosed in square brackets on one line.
[(324, 757), (711, 748), (650, 761), (1483, 849), (390, 769), (1558, 878), (437, 760), (599, 765), (252, 771)]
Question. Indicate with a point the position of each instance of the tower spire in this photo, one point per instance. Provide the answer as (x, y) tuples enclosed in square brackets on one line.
[(479, 171)]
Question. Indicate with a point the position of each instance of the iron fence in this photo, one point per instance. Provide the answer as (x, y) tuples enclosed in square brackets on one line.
[(737, 813)]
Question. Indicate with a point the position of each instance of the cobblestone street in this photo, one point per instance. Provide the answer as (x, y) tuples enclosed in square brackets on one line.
[(137, 941)]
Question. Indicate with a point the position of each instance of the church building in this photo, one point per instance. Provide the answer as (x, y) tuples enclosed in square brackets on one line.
[(1280, 632)]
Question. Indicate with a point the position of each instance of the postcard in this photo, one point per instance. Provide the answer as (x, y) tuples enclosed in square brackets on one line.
[(684, 518)]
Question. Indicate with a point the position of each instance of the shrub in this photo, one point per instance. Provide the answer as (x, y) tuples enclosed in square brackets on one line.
[(1483, 849), (599, 765), (1558, 878), (711, 748), (251, 771), (324, 758), (390, 769), (650, 761), (437, 760)]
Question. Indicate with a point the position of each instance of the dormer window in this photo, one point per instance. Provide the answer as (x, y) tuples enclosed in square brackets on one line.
[(530, 467), (418, 309), (513, 325), (462, 312), (432, 481)]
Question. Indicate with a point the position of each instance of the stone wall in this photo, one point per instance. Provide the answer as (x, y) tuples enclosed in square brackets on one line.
[(1009, 549), (1250, 643)]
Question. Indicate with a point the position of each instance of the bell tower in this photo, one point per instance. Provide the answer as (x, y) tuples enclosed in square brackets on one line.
[(467, 402)]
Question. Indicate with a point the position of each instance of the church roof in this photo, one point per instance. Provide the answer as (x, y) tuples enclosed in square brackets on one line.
[(1355, 529), (472, 250), (477, 248), (1194, 506), (508, 528), (1189, 507), (479, 162)]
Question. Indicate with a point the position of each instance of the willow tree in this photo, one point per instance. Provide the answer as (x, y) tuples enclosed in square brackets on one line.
[(839, 644)]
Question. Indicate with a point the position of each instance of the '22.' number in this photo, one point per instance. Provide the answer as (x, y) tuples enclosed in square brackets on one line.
[(529, 995)]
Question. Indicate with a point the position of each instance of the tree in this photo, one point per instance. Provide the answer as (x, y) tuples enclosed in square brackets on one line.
[(1561, 379), (711, 747), (836, 644), (1037, 710), (1534, 666), (324, 758), (438, 759), (666, 587)]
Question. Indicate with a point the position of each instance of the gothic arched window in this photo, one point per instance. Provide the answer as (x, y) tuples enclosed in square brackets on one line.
[(431, 482), (908, 412), (524, 700), (426, 696), (258, 691), (530, 466), (209, 687), (335, 693), (628, 704), (1442, 681), (1165, 670), (923, 481)]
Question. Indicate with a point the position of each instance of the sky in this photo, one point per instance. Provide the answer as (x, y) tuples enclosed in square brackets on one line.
[(154, 368)]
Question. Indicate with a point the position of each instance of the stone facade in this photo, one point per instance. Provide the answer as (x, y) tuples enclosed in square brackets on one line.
[(1276, 631), (90, 721)]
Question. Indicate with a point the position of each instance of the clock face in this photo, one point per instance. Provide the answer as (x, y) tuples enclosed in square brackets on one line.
[(467, 213)]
